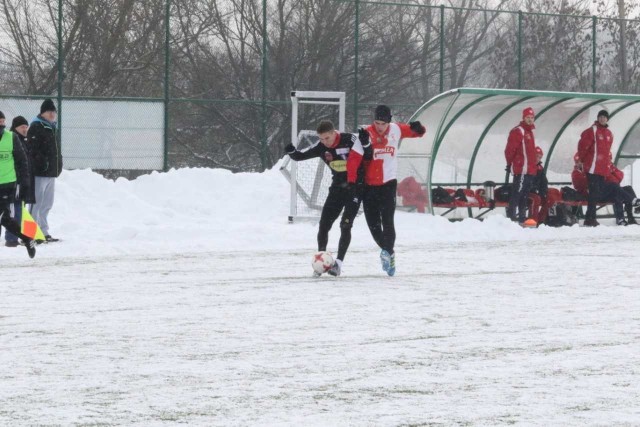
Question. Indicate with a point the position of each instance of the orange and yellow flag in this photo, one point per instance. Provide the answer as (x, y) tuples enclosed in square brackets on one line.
[(29, 227)]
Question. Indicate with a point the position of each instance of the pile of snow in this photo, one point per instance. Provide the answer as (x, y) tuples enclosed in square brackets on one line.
[(195, 210)]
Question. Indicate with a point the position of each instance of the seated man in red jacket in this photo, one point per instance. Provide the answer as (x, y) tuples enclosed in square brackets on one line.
[(626, 193), (579, 178), (539, 207)]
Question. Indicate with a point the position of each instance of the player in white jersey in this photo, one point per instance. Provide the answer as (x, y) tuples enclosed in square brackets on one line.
[(379, 200)]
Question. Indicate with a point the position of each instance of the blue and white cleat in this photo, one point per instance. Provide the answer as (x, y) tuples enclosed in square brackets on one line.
[(392, 266), (385, 259)]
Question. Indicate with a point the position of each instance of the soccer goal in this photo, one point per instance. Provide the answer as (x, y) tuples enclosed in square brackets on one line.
[(310, 179)]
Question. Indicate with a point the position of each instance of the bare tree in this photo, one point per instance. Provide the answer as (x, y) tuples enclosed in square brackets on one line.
[(620, 52), (556, 50)]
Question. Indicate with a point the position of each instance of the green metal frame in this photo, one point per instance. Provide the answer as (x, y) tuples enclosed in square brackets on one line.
[(486, 131), (167, 78), (594, 49), (565, 126), (624, 141), (60, 70), (484, 134), (442, 120)]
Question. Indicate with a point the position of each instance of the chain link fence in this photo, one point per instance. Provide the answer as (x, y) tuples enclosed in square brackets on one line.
[(156, 84)]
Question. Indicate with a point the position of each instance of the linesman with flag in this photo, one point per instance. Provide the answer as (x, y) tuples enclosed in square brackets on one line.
[(15, 180)]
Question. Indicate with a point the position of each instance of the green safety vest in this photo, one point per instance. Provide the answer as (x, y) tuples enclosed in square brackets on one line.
[(7, 165)]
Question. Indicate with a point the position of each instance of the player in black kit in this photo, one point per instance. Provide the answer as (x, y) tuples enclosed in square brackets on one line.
[(334, 148)]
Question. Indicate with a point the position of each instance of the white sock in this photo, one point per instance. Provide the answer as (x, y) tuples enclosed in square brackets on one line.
[(339, 262)]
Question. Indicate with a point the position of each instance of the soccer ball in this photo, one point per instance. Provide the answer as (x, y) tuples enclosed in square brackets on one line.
[(322, 262)]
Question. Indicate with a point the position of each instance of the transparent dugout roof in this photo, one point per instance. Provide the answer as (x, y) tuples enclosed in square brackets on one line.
[(467, 132)]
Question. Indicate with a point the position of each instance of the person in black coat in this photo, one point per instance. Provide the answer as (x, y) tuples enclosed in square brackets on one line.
[(19, 127), (43, 144)]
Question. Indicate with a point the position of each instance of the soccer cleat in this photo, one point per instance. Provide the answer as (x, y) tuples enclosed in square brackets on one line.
[(392, 265), (591, 223), (635, 203), (31, 247), (385, 260), (335, 268), (11, 243), (50, 239), (621, 221)]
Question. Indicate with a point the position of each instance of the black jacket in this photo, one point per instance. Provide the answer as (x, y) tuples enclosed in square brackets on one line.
[(27, 192), (23, 175), (335, 157), (44, 148)]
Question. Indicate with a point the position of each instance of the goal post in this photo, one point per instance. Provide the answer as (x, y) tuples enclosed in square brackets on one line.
[(306, 189)]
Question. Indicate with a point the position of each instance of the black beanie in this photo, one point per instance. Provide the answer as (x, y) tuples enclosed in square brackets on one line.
[(18, 121), (47, 105), (383, 113), (603, 113), (2, 115)]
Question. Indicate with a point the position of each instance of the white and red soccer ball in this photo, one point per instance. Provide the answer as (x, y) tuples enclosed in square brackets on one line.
[(322, 262)]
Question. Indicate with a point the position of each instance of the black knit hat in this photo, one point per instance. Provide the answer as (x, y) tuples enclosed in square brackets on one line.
[(47, 105), (383, 113), (18, 121), (603, 113), (2, 115)]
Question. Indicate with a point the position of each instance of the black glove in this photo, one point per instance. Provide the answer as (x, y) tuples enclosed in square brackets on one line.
[(28, 196), (507, 169), (289, 148), (363, 136), (417, 127), (23, 193)]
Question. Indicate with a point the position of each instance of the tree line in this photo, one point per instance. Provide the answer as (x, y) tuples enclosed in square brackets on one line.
[(115, 48)]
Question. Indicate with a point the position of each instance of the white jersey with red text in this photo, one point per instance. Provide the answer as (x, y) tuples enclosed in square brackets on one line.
[(384, 165)]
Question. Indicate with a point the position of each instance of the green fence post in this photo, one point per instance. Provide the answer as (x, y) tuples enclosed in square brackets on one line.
[(60, 68), (167, 33), (441, 48), (594, 21), (356, 66), (519, 49), (263, 148)]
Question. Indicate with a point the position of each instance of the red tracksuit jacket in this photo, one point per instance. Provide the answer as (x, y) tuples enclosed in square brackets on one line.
[(520, 152), (594, 149)]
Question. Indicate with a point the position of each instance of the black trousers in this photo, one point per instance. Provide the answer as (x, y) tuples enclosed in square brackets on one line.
[(619, 196), (379, 204), (517, 209), (6, 199), (339, 198), (596, 183)]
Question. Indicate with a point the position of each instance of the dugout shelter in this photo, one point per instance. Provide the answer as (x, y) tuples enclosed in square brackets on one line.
[(467, 130)]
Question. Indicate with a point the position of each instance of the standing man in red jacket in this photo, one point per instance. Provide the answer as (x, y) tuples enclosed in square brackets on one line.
[(594, 150), (379, 200), (520, 154)]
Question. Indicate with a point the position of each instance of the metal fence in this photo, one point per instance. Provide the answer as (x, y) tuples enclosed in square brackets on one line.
[(221, 95)]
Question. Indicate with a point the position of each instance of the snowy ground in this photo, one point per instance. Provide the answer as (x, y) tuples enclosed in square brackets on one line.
[(186, 298)]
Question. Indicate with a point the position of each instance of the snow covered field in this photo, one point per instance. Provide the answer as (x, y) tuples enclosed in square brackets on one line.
[(186, 298)]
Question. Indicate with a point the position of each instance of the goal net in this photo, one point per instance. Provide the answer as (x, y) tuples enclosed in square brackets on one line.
[(310, 179)]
